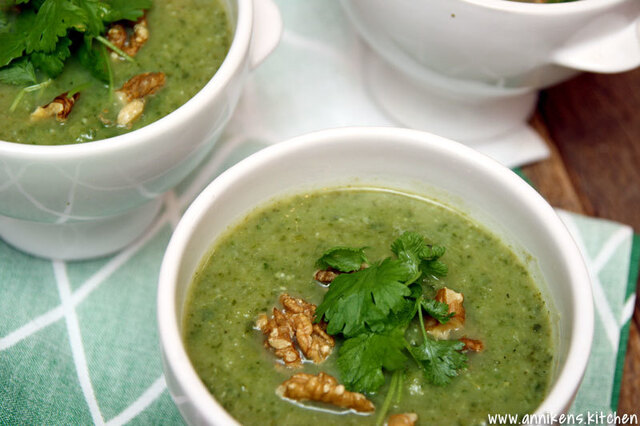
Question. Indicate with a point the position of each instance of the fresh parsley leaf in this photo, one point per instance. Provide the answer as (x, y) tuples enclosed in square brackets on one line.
[(402, 316), (435, 268), (440, 360), (431, 265), (52, 63), (4, 20), (362, 358), (20, 72), (95, 11), (408, 248), (363, 297), (420, 258), (92, 57), (437, 310), (343, 259), (127, 9), (13, 39), (53, 20)]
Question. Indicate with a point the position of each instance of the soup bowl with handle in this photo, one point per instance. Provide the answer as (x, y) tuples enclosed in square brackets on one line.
[(402, 159), (91, 199), (471, 69)]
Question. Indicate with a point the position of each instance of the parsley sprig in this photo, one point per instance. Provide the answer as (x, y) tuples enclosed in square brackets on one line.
[(41, 35), (372, 308)]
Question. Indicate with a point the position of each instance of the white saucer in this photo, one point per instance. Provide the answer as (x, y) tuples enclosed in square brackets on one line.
[(493, 122)]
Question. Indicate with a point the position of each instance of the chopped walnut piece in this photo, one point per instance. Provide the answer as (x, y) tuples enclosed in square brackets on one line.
[(60, 107), (132, 94), (323, 388), (314, 342), (141, 85), (326, 276), (130, 112), (296, 321), (279, 337), (472, 345), (140, 36), (455, 301), (118, 36), (404, 419), (293, 305)]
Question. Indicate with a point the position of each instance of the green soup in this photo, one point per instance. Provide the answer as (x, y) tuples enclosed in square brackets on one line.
[(188, 40), (273, 250)]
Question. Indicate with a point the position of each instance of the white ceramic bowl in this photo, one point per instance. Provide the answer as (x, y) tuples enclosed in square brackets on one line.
[(397, 158), (470, 69), (87, 200)]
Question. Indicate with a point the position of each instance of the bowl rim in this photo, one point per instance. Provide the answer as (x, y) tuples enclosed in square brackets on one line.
[(233, 61), (545, 9), (568, 379)]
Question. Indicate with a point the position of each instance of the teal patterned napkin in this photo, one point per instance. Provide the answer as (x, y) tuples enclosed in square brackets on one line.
[(78, 340)]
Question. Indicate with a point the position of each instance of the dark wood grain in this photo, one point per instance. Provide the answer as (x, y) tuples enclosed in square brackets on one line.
[(594, 121), (592, 126)]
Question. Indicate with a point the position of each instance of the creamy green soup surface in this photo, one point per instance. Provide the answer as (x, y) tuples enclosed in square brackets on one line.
[(188, 40), (273, 251)]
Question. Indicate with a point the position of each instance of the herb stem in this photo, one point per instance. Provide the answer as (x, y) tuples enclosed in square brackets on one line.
[(399, 387), (424, 332), (105, 55), (409, 348), (78, 88), (393, 388), (28, 89), (116, 49)]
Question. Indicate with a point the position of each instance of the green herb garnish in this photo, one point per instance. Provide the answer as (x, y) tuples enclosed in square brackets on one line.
[(41, 35), (343, 259), (373, 307), (440, 360)]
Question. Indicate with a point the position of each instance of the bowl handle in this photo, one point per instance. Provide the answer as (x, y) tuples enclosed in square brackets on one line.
[(617, 51), (267, 29)]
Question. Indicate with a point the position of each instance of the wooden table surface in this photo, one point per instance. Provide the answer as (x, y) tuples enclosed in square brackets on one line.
[(592, 126)]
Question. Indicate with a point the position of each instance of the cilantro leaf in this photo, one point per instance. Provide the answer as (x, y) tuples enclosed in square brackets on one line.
[(20, 72), (127, 9), (53, 20), (95, 11), (403, 315), (52, 63), (430, 264), (362, 358), (343, 259), (4, 21), (13, 38), (437, 310), (94, 59), (419, 257), (440, 360), (363, 297), (408, 248)]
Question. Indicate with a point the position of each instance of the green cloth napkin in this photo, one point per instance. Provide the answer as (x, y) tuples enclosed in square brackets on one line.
[(78, 340), (79, 343)]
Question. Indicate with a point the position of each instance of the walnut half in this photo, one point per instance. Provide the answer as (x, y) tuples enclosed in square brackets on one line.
[(132, 94), (295, 321), (323, 388), (60, 107), (118, 35)]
